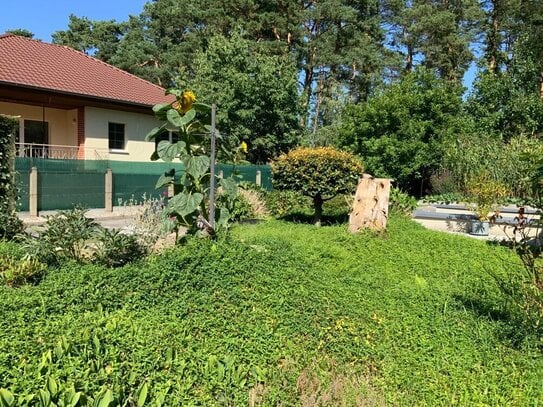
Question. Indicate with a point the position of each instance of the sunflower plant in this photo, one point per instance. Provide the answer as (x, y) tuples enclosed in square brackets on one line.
[(190, 120)]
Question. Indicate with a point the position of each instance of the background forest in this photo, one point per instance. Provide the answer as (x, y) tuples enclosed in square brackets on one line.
[(381, 78)]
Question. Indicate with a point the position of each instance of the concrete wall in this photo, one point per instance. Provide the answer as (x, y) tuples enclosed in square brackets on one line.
[(136, 128), (62, 123)]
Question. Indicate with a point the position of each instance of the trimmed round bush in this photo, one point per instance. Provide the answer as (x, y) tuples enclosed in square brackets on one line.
[(320, 173)]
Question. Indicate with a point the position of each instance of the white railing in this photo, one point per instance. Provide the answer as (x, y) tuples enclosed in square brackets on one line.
[(59, 152)]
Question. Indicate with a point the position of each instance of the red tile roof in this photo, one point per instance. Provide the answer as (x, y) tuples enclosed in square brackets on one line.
[(30, 63)]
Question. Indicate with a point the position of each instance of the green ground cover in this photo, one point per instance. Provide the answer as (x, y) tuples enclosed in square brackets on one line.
[(279, 314)]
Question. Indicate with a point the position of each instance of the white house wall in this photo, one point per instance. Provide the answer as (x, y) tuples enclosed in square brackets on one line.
[(62, 123), (136, 128)]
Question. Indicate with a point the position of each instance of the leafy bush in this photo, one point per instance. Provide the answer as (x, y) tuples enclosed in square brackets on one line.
[(318, 173), (115, 249), (401, 203), (12, 249), (16, 272), (448, 198), (485, 193), (339, 205), (511, 164), (10, 224), (66, 236), (403, 131), (71, 236), (443, 182)]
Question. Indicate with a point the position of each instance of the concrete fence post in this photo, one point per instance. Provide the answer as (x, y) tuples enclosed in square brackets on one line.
[(221, 174), (258, 178), (33, 193), (108, 195)]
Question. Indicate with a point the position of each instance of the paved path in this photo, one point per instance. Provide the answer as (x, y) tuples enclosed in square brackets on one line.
[(121, 217), (456, 219)]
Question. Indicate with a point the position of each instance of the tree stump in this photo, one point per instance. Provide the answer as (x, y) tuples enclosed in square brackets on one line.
[(370, 208)]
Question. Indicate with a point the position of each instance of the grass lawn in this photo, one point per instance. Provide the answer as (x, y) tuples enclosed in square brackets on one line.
[(280, 314)]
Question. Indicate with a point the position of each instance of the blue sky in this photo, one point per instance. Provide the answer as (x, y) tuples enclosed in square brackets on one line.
[(44, 17)]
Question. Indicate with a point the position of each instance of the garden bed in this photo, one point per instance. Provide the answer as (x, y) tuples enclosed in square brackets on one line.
[(280, 314)]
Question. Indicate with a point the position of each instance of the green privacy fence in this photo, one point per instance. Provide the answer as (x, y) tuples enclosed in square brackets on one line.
[(62, 184)]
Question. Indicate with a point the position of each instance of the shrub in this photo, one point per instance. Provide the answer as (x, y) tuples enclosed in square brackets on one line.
[(71, 236), (339, 205), (512, 164), (10, 224), (319, 173), (115, 249), (485, 193), (66, 237), (401, 203)]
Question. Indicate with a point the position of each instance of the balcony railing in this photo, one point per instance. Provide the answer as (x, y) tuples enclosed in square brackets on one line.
[(60, 152)]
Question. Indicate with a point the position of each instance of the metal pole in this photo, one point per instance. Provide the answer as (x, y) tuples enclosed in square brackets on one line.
[(212, 169)]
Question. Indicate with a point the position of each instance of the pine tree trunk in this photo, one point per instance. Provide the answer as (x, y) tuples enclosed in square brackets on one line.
[(370, 208)]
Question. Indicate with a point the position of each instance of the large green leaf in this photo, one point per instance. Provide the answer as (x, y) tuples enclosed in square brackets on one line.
[(165, 179), (174, 118), (176, 92), (188, 117), (184, 203), (160, 106), (161, 110), (197, 166), (105, 399), (224, 218), (52, 386), (229, 186), (6, 398), (168, 151), (142, 394), (155, 132)]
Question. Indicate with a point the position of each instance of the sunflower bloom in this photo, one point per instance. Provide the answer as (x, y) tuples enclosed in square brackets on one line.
[(184, 103), (243, 147)]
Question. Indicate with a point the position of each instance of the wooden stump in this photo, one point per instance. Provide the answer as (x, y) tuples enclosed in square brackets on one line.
[(370, 208)]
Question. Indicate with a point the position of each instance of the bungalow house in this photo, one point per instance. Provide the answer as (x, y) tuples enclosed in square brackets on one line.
[(74, 106)]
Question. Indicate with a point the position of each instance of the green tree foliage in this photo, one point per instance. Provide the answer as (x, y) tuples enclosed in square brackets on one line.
[(10, 224), (319, 173), (256, 94), (434, 33), (22, 32), (502, 107), (402, 132), (97, 38)]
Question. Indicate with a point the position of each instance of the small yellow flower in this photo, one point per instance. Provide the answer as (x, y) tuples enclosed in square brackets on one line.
[(184, 103), (243, 147)]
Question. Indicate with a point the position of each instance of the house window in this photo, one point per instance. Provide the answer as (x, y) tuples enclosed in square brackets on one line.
[(33, 132), (116, 136)]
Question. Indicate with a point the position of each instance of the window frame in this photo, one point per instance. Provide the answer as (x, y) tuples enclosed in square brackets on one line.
[(114, 132)]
